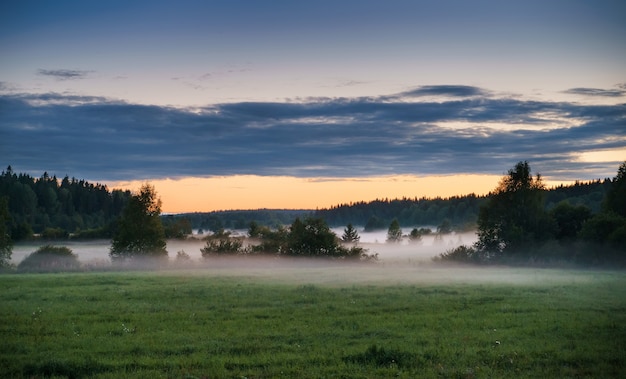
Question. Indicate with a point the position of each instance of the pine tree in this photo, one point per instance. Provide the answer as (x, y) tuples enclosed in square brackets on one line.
[(350, 234)]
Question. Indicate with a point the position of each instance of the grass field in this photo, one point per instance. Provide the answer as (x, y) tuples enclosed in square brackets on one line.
[(316, 322)]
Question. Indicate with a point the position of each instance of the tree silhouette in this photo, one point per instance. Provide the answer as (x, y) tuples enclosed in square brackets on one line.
[(140, 231), (615, 200), (6, 245), (394, 233), (350, 234), (514, 217)]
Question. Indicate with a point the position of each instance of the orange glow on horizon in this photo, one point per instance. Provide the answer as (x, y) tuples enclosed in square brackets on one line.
[(283, 192)]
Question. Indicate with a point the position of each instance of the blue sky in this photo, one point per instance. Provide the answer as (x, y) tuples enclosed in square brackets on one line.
[(123, 90)]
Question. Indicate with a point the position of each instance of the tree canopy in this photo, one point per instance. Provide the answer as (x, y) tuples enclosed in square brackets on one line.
[(514, 226), (6, 245), (139, 232), (514, 217), (50, 258), (394, 232), (76, 206)]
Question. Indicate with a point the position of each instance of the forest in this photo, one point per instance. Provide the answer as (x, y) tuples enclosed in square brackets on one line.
[(520, 219), (57, 209)]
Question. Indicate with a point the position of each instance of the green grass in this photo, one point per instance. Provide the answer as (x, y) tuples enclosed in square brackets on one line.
[(182, 324)]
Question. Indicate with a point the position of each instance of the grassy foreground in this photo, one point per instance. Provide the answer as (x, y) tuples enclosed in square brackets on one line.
[(182, 324)]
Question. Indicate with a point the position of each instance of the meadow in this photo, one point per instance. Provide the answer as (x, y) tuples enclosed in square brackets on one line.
[(318, 320)]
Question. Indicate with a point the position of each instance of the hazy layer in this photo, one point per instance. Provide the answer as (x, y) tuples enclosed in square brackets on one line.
[(374, 242), (397, 264)]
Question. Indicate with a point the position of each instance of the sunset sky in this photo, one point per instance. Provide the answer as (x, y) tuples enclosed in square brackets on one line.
[(306, 104)]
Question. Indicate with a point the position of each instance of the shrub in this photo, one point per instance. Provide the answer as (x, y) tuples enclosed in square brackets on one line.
[(181, 256), (50, 258), (222, 244), (463, 254)]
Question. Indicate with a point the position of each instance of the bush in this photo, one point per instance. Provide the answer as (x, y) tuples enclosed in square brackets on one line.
[(222, 244), (462, 254), (50, 258), (181, 256)]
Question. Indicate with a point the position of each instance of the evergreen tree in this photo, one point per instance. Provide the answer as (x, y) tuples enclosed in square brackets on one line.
[(140, 232), (350, 234), (615, 200)]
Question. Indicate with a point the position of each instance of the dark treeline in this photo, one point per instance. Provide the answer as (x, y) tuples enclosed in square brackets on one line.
[(55, 208), (461, 211), (514, 226), (377, 214), (241, 219)]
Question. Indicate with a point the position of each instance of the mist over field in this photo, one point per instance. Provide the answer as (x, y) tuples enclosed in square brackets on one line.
[(375, 242), (398, 263)]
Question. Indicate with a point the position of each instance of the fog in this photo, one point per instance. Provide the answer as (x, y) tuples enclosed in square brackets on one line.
[(398, 263), (97, 251)]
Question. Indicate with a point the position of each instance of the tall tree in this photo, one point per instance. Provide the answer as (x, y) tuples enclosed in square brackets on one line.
[(6, 245), (514, 217), (394, 233), (615, 200), (140, 232)]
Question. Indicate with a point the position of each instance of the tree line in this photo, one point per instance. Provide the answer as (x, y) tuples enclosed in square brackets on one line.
[(514, 225), (460, 211), (55, 208)]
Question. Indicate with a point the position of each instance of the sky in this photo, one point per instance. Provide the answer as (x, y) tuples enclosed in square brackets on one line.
[(307, 104)]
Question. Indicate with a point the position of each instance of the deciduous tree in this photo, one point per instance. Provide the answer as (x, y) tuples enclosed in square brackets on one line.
[(6, 245), (394, 233), (140, 231), (514, 217)]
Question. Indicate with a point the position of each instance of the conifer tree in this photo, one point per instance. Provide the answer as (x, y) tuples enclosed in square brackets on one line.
[(350, 234)]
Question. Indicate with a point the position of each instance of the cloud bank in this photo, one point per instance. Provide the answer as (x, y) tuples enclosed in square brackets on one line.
[(597, 92), (468, 131), (64, 74)]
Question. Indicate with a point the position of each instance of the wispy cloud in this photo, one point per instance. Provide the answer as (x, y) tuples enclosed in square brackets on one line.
[(343, 137), (64, 74), (446, 90), (597, 91)]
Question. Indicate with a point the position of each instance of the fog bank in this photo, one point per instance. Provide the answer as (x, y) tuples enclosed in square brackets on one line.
[(374, 242)]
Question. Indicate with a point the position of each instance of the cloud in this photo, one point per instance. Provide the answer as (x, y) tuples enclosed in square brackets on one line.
[(7, 86), (446, 90), (597, 91), (65, 74), (345, 137)]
